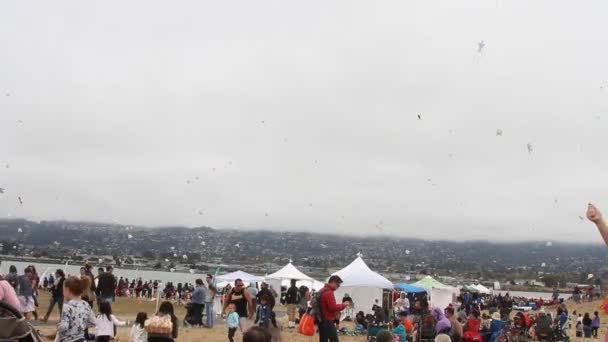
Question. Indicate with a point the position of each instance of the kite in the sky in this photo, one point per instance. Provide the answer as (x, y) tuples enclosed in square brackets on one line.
[(480, 46), (529, 147), (20, 200), (1, 190), (499, 132)]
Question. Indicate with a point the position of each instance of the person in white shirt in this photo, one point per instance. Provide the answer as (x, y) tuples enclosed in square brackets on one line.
[(402, 304), (138, 333), (104, 323)]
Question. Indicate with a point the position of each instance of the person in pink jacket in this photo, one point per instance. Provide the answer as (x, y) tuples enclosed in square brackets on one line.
[(8, 295)]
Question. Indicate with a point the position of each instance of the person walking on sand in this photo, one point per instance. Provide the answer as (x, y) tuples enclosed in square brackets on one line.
[(56, 294), (329, 309), (243, 302)]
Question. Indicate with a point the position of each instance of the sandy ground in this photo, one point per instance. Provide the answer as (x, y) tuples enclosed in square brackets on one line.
[(127, 309)]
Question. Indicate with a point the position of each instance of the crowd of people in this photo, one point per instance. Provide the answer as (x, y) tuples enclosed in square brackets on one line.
[(85, 301)]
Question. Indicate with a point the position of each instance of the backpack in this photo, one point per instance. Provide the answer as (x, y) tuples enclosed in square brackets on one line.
[(316, 310), (292, 296), (12, 279)]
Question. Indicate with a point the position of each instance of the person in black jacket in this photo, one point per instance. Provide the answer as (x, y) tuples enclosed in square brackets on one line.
[(107, 286), (292, 299), (265, 291), (56, 294)]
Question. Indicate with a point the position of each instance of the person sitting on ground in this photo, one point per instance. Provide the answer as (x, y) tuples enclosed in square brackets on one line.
[(360, 321), (379, 315), (257, 334), (138, 333)]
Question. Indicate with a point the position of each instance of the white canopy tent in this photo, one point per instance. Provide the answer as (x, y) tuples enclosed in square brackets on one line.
[(482, 289), (362, 284), (244, 276), (284, 276), (314, 285)]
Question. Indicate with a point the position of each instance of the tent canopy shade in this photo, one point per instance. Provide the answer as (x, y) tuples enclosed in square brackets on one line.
[(409, 288), (429, 283), (244, 276), (289, 271), (358, 274)]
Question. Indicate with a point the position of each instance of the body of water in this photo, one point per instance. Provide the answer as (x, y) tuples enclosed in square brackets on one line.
[(47, 269), (543, 295)]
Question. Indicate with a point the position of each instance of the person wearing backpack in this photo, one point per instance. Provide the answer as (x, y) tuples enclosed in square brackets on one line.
[(12, 276), (292, 299), (329, 309)]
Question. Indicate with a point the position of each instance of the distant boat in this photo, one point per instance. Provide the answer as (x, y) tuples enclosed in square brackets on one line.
[(496, 285)]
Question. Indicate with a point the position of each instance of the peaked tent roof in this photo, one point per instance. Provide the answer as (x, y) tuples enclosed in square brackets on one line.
[(289, 271), (429, 283), (358, 274), (244, 276)]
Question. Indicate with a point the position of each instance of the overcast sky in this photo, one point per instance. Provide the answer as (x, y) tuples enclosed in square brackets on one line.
[(304, 115)]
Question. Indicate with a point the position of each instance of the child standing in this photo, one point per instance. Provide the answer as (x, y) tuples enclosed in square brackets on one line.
[(595, 324), (232, 320), (138, 333), (579, 329), (263, 313), (76, 315), (104, 323)]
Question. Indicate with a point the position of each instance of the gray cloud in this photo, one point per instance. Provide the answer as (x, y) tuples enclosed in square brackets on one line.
[(308, 103)]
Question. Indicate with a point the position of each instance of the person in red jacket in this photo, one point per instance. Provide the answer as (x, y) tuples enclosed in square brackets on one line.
[(329, 308)]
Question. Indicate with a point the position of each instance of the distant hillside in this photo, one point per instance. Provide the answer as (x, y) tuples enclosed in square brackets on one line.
[(476, 259)]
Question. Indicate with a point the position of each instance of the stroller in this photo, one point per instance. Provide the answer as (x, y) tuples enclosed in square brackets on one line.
[(14, 327)]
